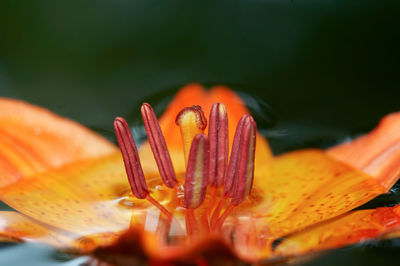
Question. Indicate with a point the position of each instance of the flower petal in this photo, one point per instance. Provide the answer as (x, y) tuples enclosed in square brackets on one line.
[(32, 139), (16, 226), (195, 94), (302, 188), (343, 230), (377, 153), (81, 197), (88, 199)]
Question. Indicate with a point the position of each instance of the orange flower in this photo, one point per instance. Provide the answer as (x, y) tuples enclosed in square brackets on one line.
[(71, 190)]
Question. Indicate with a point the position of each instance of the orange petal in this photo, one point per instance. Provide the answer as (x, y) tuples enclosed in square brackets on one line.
[(89, 199), (392, 234), (32, 139), (302, 188), (16, 226), (80, 197), (344, 230), (60, 174), (195, 94), (377, 153)]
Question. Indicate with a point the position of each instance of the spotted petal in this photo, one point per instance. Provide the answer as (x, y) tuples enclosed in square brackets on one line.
[(58, 173), (301, 188), (78, 197), (343, 230), (16, 226)]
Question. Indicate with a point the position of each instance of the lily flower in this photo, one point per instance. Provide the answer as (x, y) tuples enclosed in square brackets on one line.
[(205, 186)]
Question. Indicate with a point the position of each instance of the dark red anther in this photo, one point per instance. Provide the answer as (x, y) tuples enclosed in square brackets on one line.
[(219, 144), (196, 172), (240, 174), (130, 155), (158, 146), (233, 160)]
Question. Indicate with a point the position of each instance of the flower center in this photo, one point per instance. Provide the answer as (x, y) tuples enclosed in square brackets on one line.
[(206, 160)]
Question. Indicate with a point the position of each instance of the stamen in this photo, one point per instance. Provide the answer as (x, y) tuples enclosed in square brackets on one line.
[(160, 207), (229, 181), (219, 146), (158, 146), (245, 170), (191, 121), (132, 164), (215, 215), (219, 150), (207, 212), (191, 224), (233, 160), (131, 159), (239, 178), (224, 215), (196, 173)]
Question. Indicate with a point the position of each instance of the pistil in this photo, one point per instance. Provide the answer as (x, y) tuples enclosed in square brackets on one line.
[(191, 121)]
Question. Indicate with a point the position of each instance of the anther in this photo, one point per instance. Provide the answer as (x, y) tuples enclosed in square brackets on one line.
[(131, 159), (158, 146), (196, 173), (191, 121), (132, 164), (233, 160), (245, 162), (219, 144), (240, 174)]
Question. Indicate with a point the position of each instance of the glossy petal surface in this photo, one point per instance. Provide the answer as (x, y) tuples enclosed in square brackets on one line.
[(17, 226), (32, 139), (343, 230), (80, 197), (376, 153), (305, 187)]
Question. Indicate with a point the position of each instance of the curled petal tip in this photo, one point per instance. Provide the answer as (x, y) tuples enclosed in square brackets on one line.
[(131, 159), (197, 172), (158, 145)]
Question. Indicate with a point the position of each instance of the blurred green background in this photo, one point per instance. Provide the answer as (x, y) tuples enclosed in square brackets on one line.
[(319, 70)]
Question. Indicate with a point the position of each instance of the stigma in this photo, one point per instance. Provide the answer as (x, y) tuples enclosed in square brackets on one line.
[(228, 176)]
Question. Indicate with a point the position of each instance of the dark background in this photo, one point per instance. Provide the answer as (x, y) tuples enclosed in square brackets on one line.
[(319, 70)]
